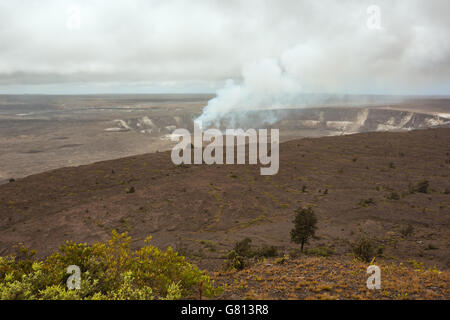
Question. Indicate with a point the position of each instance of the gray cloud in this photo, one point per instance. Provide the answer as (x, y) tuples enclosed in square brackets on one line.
[(321, 46)]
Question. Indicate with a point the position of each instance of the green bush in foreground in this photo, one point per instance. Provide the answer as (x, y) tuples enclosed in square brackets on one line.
[(109, 270)]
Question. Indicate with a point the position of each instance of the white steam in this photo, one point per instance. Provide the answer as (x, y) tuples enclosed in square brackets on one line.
[(336, 53), (265, 86)]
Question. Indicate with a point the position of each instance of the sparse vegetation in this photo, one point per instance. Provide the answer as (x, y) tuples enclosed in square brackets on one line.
[(309, 278), (130, 190), (407, 231), (266, 252), (320, 251), (421, 187), (207, 211), (366, 202), (238, 257), (210, 245), (393, 196)]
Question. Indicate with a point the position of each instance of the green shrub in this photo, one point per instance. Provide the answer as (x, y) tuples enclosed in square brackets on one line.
[(366, 202), (236, 261), (421, 187), (364, 249), (267, 252), (380, 250), (320, 251), (244, 247), (109, 270), (238, 257), (407, 231), (394, 196)]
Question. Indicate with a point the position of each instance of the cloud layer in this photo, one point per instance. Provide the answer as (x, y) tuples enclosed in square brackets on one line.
[(317, 46)]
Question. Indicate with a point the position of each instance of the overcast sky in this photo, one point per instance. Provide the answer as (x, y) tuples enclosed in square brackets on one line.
[(103, 46)]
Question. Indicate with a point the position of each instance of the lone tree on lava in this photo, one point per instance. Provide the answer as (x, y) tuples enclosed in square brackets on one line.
[(304, 226)]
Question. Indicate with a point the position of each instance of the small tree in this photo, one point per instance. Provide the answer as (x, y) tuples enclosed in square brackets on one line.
[(304, 226), (244, 247)]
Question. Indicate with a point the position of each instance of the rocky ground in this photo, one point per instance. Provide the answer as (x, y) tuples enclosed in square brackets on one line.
[(362, 185), (390, 188)]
